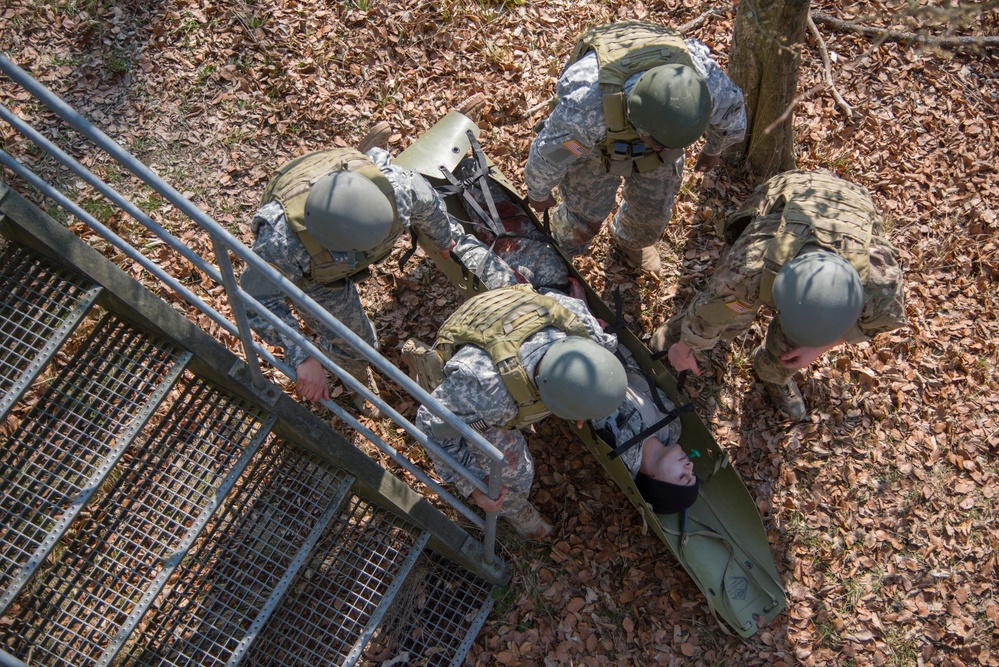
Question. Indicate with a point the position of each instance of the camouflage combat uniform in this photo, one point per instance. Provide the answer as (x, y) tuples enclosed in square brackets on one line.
[(566, 154), (475, 392), (416, 203), (731, 300), (522, 255)]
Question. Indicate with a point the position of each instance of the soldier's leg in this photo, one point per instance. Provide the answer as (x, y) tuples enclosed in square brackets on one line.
[(344, 303), (667, 334), (518, 477), (778, 379), (518, 466), (646, 206), (483, 262), (589, 194)]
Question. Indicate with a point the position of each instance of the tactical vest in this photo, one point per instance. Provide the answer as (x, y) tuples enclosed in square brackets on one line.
[(499, 321), (290, 188), (624, 49), (818, 209)]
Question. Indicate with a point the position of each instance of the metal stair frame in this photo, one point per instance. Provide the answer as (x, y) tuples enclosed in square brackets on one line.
[(22, 222)]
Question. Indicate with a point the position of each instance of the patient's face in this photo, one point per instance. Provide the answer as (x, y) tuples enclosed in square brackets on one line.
[(673, 466)]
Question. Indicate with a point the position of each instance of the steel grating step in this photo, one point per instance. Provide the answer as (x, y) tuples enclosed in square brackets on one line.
[(68, 442), (120, 554), (344, 589), (230, 584), (437, 615), (41, 306)]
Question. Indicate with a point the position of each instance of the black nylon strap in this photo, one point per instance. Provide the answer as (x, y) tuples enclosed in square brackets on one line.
[(640, 437), (618, 322), (670, 416), (412, 249)]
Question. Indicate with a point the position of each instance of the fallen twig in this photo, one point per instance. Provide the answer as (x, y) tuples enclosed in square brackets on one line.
[(696, 23), (985, 41), (824, 53)]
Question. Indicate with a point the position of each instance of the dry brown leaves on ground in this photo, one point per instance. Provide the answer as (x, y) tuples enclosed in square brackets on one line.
[(881, 511)]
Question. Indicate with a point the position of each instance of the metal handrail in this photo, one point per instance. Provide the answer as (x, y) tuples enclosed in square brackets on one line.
[(224, 242)]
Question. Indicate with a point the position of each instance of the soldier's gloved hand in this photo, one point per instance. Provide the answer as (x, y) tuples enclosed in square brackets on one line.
[(310, 381), (802, 357), (707, 162), (541, 205), (487, 503), (682, 358)]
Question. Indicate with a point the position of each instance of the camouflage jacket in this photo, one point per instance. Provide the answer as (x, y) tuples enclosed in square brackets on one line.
[(474, 391), (417, 203), (576, 125), (731, 299)]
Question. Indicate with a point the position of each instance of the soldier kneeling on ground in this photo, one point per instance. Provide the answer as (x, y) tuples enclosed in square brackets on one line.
[(504, 360)]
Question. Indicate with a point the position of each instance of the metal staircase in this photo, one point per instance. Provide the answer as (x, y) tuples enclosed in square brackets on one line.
[(150, 514), (161, 502)]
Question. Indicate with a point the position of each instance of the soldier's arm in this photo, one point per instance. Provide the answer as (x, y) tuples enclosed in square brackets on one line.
[(884, 303), (728, 303), (417, 203), (728, 107), (582, 311), (474, 395), (430, 213), (276, 246), (570, 131)]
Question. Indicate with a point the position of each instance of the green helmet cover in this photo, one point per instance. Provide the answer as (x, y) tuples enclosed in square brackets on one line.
[(818, 296), (578, 379), (672, 104), (345, 211)]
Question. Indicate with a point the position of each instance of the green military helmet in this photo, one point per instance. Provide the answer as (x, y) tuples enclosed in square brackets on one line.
[(672, 104), (818, 296), (345, 211), (578, 379)]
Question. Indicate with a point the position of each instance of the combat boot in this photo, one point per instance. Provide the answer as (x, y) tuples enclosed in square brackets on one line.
[(644, 259), (529, 523), (471, 107), (788, 398), (661, 339), (377, 137)]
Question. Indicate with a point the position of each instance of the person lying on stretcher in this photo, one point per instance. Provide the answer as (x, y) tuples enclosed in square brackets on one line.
[(662, 471), (509, 250)]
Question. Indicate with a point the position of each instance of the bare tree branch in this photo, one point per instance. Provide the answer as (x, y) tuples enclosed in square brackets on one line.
[(981, 41), (698, 22), (824, 53)]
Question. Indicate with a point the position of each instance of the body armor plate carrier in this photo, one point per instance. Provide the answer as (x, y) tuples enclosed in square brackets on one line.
[(624, 49), (818, 209), (290, 188), (499, 321)]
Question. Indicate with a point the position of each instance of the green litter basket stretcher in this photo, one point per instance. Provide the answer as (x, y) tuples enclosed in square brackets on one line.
[(723, 545)]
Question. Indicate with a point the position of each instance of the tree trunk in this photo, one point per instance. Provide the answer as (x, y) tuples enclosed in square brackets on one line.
[(766, 51)]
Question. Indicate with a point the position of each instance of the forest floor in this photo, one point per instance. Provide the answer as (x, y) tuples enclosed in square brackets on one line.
[(881, 510)]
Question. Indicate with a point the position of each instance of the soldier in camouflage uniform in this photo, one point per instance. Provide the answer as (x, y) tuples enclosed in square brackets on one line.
[(556, 359), (811, 246), (325, 243), (632, 97)]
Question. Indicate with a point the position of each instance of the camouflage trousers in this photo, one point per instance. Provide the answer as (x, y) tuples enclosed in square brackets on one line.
[(589, 194), (512, 261), (343, 303), (766, 357), (518, 471)]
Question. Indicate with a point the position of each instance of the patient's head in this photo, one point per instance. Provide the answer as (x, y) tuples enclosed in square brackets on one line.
[(666, 477), (663, 473)]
